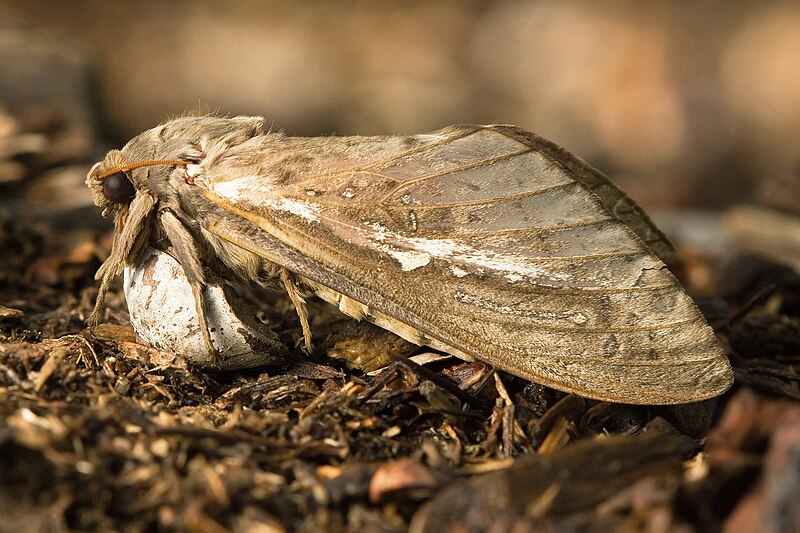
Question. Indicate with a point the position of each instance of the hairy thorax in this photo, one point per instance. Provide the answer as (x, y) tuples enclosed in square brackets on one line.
[(243, 265)]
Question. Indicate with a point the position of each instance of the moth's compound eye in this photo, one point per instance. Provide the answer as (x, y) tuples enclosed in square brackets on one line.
[(118, 188)]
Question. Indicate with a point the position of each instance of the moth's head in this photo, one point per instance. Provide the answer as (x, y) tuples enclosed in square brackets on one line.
[(146, 164), (117, 180)]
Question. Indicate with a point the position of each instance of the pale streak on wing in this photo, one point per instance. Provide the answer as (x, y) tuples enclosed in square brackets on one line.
[(491, 247)]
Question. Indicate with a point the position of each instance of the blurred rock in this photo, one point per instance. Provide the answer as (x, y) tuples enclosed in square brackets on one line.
[(767, 232)]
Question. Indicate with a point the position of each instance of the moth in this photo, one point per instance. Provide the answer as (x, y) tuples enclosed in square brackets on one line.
[(485, 242)]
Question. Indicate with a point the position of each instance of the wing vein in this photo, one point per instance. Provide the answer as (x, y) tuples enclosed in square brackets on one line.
[(387, 160), (563, 329), (534, 229), (478, 164), (487, 201)]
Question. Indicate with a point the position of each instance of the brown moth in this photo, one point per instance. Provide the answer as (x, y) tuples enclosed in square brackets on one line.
[(485, 242)]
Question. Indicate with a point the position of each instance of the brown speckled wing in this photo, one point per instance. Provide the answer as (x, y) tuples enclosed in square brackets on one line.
[(489, 241)]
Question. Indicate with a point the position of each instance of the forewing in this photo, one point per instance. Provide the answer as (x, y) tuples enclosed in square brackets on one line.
[(492, 242)]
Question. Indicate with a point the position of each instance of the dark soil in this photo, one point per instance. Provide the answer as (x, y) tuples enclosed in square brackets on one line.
[(98, 432)]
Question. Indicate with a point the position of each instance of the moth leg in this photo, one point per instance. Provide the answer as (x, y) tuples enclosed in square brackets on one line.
[(187, 255), (127, 234), (200, 308), (299, 305), (95, 315)]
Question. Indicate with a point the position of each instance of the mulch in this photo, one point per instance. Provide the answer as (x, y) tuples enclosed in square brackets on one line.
[(98, 432)]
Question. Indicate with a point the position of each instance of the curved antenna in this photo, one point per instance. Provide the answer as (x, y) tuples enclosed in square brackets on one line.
[(105, 174)]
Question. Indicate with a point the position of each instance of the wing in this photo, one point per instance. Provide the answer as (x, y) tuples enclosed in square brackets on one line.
[(487, 242)]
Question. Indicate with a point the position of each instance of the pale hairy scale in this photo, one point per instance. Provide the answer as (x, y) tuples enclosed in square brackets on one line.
[(486, 242)]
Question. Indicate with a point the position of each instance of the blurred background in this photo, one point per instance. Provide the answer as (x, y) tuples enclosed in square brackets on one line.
[(691, 107), (684, 104)]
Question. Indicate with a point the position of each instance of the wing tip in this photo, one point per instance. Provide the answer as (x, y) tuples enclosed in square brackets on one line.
[(678, 384), (685, 381)]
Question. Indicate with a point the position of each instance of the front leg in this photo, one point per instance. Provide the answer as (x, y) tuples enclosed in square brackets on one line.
[(188, 256)]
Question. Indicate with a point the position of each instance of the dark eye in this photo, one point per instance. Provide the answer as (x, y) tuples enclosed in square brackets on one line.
[(118, 188)]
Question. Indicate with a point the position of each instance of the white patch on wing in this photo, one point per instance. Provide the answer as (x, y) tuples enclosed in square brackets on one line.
[(458, 271), (579, 318), (305, 210), (255, 189), (409, 260), (244, 188), (517, 267)]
